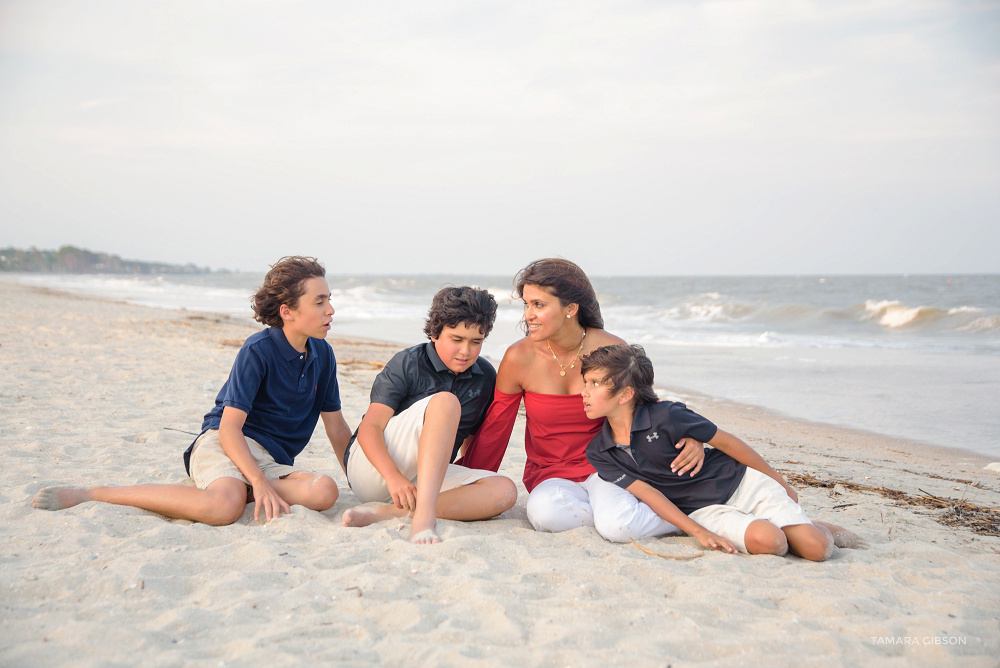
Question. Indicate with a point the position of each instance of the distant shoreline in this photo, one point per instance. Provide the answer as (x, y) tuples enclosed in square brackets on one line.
[(74, 260)]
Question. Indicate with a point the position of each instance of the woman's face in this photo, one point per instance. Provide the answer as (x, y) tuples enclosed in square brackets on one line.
[(544, 314)]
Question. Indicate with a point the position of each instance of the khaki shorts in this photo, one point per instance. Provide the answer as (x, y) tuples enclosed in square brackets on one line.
[(757, 497), (209, 461), (402, 435)]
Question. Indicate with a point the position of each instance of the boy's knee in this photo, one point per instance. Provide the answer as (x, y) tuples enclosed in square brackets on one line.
[(225, 508), (322, 493), (446, 403), (814, 544), (762, 537), (503, 491)]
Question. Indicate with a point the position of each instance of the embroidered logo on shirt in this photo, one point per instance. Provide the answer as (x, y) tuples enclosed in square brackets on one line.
[(650, 437), (620, 478)]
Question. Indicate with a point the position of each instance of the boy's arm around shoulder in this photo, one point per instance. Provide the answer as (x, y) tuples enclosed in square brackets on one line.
[(744, 454), (665, 508), (234, 444)]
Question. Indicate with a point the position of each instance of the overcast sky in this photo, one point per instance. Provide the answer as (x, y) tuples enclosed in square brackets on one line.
[(740, 137)]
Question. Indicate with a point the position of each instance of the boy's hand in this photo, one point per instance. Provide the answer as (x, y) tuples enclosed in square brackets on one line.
[(715, 542), (265, 497), (403, 492), (691, 457)]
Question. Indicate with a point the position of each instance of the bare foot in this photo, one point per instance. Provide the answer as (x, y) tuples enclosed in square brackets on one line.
[(59, 498), (362, 516), (843, 537), (422, 531), (425, 537)]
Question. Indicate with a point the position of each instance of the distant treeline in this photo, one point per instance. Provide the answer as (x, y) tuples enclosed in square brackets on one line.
[(73, 260)]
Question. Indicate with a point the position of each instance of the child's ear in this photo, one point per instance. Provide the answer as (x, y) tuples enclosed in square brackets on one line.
[(285, 312), (626, 396)]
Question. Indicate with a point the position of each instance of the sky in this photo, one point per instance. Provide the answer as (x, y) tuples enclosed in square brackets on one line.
[(634, 137)]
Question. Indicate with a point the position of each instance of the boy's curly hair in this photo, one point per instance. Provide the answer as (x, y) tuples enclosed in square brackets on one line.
[(623, 366), (453, 306), (283, 284)]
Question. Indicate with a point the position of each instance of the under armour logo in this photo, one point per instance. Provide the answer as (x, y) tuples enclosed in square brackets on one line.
[(652, 436)]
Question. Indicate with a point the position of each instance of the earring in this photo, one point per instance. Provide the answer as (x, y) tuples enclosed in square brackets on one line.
[(567, 315)]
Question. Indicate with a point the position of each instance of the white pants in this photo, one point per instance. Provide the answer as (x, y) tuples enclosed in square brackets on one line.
[(557, 504)]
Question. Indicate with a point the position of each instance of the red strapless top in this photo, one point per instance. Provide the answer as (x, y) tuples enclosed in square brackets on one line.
[(555, 440)]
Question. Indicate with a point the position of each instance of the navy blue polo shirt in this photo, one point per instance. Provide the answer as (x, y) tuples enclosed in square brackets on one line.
[(656, 429), (418, 372), (281, 390)]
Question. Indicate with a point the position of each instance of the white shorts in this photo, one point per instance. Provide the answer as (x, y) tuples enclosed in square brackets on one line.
[(402, 436), (209, 461), (758, 497)]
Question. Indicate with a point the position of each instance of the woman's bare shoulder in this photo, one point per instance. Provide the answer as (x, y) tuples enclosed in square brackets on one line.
[(602, 337), (515, 361)]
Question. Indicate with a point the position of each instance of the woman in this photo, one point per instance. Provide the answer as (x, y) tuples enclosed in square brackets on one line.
[(562, 322)]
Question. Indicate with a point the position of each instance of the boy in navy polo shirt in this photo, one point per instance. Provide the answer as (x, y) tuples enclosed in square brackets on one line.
[(284, 378), (425, 403), (736, 503)]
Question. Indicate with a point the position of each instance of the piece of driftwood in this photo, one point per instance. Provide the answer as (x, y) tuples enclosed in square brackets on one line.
[(665, 556)]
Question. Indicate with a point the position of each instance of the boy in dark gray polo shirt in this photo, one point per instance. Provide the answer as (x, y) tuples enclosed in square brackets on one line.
[(736, 503), (425, 403)]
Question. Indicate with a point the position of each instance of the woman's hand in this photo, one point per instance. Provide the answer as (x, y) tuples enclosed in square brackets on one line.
[(691, 457), (402, 491), (265, 496)]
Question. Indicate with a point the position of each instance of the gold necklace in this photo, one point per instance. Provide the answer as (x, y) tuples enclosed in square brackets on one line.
[(563, 367)]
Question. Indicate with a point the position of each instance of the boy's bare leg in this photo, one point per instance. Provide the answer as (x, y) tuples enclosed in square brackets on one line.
[(437, 439), (809, 541), (480, 500), (842, 537), (312, 490), (222, 502)]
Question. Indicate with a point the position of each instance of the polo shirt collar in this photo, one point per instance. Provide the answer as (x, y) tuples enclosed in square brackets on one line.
[(439, 366), (285, 349), (640, 422)]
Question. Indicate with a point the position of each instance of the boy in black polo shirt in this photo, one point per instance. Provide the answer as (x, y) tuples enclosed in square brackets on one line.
[(736, 503), (284, 378), (425, 403)]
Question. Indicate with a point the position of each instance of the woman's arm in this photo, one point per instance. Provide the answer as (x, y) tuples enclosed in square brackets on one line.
[(744, 454), (485, 449)]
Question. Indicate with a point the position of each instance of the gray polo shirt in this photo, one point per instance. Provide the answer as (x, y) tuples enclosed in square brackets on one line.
[(656, 429), (418, 372)]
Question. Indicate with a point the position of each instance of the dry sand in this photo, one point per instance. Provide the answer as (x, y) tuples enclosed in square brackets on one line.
[(91, 387)]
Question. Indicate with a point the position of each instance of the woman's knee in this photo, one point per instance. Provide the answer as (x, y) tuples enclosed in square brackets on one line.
[(762, 537), (618, 525), (555, 510)]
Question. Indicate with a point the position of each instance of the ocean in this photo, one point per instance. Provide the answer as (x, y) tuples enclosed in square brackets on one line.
[(911, 356)]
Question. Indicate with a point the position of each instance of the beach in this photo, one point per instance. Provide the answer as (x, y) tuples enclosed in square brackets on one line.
[(99, 391)]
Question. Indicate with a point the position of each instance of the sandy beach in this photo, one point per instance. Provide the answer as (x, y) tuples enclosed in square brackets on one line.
[(102, 392)]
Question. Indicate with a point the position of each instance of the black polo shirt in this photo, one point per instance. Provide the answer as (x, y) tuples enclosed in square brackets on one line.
[(418, 372), (656, 429)]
